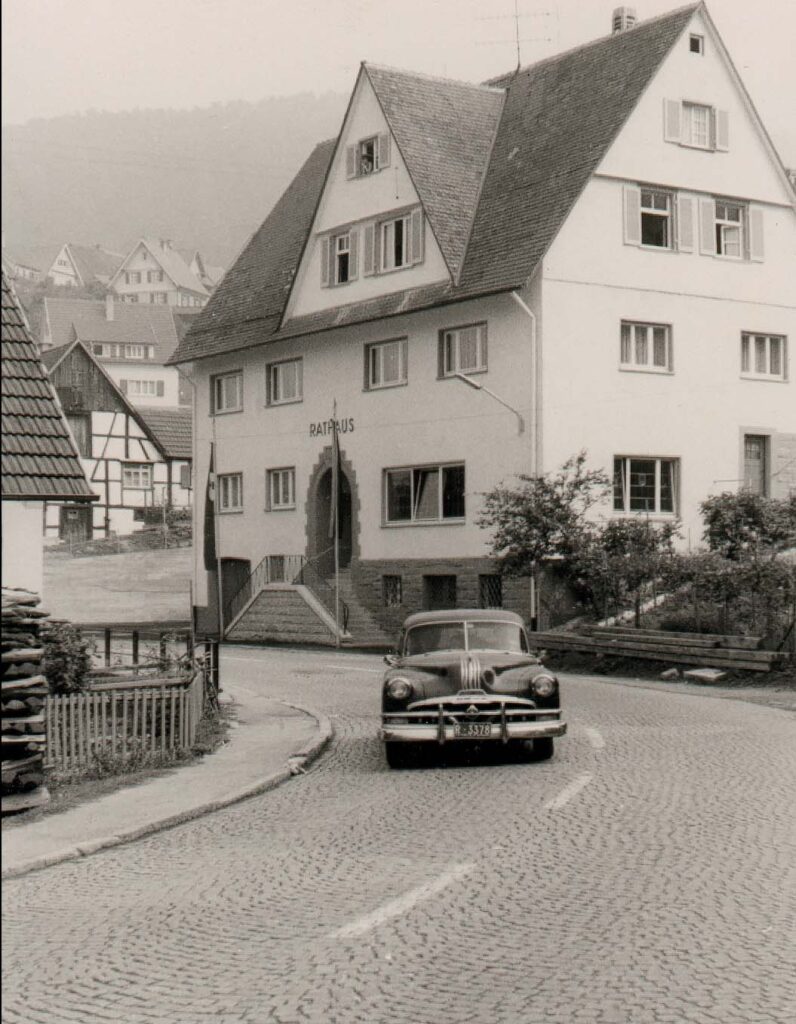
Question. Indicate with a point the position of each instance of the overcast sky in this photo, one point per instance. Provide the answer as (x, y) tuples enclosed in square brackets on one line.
[(68, 56)]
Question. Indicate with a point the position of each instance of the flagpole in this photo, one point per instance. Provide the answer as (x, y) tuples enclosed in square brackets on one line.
[(336, 505), (216, 538)]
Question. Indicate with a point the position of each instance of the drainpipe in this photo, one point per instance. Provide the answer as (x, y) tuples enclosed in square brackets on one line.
[(536, 433)]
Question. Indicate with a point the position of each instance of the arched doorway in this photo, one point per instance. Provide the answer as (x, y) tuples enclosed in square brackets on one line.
[(321, 539)]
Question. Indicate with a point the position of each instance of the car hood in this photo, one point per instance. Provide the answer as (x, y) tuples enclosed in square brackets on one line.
[(450, 671)]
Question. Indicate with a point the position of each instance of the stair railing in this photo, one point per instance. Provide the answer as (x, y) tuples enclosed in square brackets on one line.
[(311, 577), (271, 569)]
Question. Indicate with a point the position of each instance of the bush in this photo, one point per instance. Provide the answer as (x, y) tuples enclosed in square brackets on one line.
[(743, 525), (67, 657)]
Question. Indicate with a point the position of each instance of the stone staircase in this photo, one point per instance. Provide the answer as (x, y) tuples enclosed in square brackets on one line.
[(363, 629)]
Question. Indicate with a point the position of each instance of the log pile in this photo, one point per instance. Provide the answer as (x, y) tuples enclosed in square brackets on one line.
[(24, 693)]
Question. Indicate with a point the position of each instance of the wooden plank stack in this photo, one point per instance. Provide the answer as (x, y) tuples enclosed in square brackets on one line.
[(708, 649), (24, 692)]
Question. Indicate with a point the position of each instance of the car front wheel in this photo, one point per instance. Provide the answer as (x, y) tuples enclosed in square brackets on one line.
[(399, 755), (543, 748)]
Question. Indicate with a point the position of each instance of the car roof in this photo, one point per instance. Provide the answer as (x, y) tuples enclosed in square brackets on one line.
[(460, 614)]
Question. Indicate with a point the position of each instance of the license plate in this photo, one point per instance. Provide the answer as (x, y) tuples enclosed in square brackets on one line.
[(472, 730)]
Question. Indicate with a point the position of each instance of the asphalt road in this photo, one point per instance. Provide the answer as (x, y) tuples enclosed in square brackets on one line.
[(645, 874)]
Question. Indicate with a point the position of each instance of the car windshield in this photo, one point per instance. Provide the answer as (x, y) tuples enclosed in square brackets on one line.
[(450, 636)]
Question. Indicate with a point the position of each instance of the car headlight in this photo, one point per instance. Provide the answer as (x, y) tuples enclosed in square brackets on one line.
[(399, 689), (544, 685)]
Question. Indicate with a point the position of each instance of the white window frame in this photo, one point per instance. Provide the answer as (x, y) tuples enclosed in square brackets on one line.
[(275, 386), (414, 519), (222, 402), (754, 354), (230, 492), (724, 225), (698, 132), (637, 347), (626, 497), (341, 246), (653, 211), (450, 340), (137, 476), (387, 243), (374, 364), (373, 140), (281, 488), (143, 387)]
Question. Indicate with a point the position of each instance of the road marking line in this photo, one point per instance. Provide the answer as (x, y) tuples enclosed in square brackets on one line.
[(594, 737), (402, 904), (568, 792)]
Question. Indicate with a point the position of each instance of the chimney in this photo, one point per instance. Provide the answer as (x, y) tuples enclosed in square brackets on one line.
[(622, 19), (109, 312), (165, 243)]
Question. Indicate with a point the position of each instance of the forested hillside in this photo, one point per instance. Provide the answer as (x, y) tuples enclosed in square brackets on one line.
[(205, 177)]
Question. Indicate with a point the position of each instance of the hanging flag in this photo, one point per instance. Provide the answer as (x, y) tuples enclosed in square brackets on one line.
[(210, 516), (335, 504)]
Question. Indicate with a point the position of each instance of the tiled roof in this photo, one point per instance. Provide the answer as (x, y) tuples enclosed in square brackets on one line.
[(133, 322), (557, 121), (94, 263), (444, 131), (175, 265), (172, 428), (38, 456)]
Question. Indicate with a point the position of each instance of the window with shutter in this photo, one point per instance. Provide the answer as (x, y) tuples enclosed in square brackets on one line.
[(707, 227), (463, 350), (756, 247), (160, 389), (672, 118), (369, 262), (384, 151), (632, 214), (685, 223), (326, 249)]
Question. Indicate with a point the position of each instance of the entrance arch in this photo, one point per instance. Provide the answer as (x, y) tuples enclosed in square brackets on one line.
[(320, 542)]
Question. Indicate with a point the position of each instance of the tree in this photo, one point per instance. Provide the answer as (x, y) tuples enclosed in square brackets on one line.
[(743, 525), (543, 517)]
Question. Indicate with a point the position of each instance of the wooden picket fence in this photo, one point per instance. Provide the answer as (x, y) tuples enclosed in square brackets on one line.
[(139, 721)]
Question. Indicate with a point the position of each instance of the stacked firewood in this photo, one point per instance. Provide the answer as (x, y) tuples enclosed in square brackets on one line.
[(24, 692)]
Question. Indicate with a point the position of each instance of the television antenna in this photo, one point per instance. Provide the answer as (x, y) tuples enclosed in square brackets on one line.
[(518, 39)]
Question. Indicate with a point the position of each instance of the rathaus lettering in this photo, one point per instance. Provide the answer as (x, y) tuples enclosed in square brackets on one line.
[(326, 426)]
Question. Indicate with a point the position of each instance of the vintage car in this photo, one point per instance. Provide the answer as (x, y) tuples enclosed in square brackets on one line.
[(467, 675)]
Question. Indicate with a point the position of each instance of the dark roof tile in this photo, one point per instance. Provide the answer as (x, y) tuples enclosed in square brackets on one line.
[(172, 427)]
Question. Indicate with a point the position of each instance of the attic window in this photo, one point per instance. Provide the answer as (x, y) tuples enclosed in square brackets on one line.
[(696, 44), (367, 155)]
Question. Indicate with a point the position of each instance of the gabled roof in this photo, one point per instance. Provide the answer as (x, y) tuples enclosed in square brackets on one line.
[(555, 122), (133, 322), (94, 263), (172, 427), (172, 261), (39, 458), (444, 130)]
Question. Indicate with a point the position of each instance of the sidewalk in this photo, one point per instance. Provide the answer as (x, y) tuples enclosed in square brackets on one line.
[(270, 737)]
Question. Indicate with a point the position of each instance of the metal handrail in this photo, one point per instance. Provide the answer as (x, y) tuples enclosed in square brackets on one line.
[(311, 578), (271, 569)]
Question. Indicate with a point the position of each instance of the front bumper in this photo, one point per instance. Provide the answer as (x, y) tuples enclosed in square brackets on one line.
[(434, 721)]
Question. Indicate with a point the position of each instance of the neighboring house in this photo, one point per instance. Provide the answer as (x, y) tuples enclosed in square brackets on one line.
[(135, 458), (40, 460), (156, 273), (80, 266), (15, 270), (604, 240), (132, 342)]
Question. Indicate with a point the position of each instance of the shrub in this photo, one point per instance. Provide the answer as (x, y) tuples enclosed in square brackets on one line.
[(67, 657), (742, 525)]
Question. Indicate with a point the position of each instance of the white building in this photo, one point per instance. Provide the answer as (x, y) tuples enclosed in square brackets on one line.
[(606, 240), (79, 266), (156, 273)]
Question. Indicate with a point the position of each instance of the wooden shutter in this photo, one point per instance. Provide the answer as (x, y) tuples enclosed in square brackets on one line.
[(160, 389), (366, 384), (185, 476), (632, 214), (441, 354), (756, 246), (369, 250), (722, 130), (685, 223), (123, 386), (404, 364), (326, 261), (707, 227), (351, 162), (672, 121), (484, 361), (353, 254), (416, 236), (384, 151)]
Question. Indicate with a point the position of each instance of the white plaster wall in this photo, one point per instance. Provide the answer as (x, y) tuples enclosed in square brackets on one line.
[(23, 545), (426, 421), (142, 371), (345, 201)]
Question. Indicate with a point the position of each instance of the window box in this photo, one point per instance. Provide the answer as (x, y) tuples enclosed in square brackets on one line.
[(462, 350), (230, 492), (645, 347), (226, 393), (646, 485), (764, 356), (284, 382), (424, 494), (280, 489), (386, 364)]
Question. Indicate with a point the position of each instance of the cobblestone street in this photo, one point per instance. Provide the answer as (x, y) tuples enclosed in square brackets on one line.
[(644, 875)]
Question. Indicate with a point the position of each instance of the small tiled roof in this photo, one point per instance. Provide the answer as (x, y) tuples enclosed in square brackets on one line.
[(39, 459), (172, 427), (444, 131), (133, 322), (176, 266), (554, 121), (94, 263)]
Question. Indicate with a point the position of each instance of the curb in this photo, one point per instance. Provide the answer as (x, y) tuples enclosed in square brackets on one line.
[(296, 766)]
